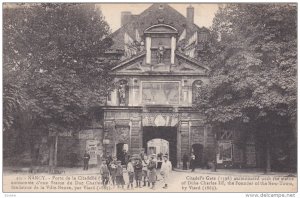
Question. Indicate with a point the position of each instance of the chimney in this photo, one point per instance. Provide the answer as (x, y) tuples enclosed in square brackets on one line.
[(125, 17), (190, 14)]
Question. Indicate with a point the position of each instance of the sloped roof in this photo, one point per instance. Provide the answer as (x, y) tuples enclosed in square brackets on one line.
[(150, 17)]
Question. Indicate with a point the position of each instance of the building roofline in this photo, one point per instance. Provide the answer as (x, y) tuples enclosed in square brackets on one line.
[(147, 30), (191, 60), (128, 60)]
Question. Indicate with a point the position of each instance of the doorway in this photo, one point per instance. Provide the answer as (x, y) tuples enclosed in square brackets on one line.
[(157, 146), (165, 136), (197, 149)]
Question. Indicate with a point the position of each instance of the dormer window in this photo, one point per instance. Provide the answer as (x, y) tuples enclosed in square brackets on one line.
[(160, 44)]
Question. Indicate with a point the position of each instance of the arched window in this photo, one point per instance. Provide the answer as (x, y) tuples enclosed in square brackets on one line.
[(195, 89)]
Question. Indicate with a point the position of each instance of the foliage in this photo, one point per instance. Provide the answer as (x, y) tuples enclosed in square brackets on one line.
[(53, 59), (253, 75)]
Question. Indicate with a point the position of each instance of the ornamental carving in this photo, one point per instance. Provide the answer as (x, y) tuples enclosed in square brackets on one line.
[(122, 134), (160, 119)]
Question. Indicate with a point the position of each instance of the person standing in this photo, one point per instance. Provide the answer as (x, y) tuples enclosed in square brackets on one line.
[(152, 171), (193, 162), (124, 159), (185, 160), (165, 171), (104, 172), (130, 171), (145, 162), (119, 175), (113, 170), (138, 166), (86, 158)]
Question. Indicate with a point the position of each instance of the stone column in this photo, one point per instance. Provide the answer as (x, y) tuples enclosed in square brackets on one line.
[(173, 47), (184, 133), (114, 97), (179, 148), (136, 131), (148, 50)]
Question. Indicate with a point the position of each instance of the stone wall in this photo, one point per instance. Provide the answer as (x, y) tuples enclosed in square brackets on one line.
[(70, 149)]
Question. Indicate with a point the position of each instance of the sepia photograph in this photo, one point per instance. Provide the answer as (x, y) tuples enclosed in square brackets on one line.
[(150, 97)]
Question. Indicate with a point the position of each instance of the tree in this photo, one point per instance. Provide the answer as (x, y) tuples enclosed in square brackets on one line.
[(53, 60), (253, 77)]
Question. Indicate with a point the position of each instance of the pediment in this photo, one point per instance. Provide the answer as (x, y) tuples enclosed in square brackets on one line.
[(183, 66), (133, 65), (161, 28)]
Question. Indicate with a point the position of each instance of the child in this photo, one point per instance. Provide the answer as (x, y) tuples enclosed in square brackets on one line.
[(119, 175), (166, 169), (113, 170), (104, 173), (152, 171), (145, 170), (138, 166), (130, 171)]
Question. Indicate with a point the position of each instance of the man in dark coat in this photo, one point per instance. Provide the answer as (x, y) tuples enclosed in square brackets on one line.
[(185, 160), (124, 159), (86, 158)]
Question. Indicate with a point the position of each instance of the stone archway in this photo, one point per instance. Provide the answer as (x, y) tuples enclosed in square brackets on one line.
[(162, 132)]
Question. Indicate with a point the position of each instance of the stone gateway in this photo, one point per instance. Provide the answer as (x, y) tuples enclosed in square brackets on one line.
[(158, 71)]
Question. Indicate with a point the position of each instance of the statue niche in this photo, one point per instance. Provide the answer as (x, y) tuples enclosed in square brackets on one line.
[(196, 89), (160, 54), (122, 90)]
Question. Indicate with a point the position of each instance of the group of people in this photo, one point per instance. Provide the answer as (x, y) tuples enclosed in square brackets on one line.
[(138, 168)]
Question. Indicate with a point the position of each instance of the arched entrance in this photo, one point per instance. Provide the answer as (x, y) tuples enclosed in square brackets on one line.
[(197, 149), (157, 146), (163, 134)]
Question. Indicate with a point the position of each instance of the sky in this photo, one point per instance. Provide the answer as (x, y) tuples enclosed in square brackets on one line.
[(203, 14)]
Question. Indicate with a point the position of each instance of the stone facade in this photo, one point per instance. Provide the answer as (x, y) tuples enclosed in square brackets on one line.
[(158, 72), (156, 80)]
